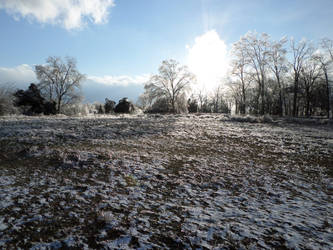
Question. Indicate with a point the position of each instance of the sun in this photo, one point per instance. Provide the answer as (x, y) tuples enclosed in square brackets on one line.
[(208, 60)]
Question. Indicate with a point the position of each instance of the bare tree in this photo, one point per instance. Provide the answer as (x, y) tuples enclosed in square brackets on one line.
[(59, 81), (256, 58), (326, 60), (239, 65), (327, 45), (310, 73), (171, 82), (202, 99), (278, 67), (234, 92), (216, 98), (256, 48), (300, 53), (144, 101), (6, 99)]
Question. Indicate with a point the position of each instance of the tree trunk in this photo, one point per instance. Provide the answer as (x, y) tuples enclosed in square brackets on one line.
[(257, 111), (243, 109), (262, 111), (173, 105), (295, 108), (59, 105), (280, 111), (285, 104), (327, 94), (307, 113), (280, 103), (236, 107)]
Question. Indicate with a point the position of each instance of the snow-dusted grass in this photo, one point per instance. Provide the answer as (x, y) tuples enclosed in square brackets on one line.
[(181, 181)]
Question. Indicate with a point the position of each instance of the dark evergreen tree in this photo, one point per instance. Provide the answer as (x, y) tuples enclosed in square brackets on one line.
[(109, 106), (33, 102), (124, 106)]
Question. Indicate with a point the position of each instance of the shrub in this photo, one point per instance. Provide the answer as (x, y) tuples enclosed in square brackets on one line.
[(252, 119), (124, 106), (109, 106), (32, 102), (77, 109)]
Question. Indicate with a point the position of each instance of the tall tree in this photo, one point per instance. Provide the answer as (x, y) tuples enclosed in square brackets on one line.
[(327, 45), (239, 64), (326, 60), (171, 82), (310, 73), (217, 99), (256, 48), (234, 93), (59, 81), (300, 52), (277, 64), (109, 106), (202, 98)]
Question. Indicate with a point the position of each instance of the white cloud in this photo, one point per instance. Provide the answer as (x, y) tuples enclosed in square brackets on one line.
[(95, 88), (22, 74), (70, 14), (25, 74), (121, 80), (208, 59)]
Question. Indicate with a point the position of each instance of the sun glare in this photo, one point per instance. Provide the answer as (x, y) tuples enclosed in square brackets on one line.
[(207, 59)]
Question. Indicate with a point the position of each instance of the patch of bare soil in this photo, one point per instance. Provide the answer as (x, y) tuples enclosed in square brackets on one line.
[(186, 181)]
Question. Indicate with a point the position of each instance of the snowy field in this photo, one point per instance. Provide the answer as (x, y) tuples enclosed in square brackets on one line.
[(184, 181)]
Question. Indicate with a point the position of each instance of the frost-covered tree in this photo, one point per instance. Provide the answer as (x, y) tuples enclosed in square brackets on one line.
[(256, 48), (76, 109), (310, 74), (144, 101), (327, 46), (301, 51), (6, 99), (278, 66), (325, 58), (240, 74), (171, 82), (59, 81), (217, 99)]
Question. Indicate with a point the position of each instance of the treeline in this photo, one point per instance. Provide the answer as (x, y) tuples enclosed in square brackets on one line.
[(284, 77), (32, 102), (58, 92), (171, 91)]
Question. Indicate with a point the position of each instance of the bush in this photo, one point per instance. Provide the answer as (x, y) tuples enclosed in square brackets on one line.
[(100, 110), (109, 106), (267, 119), (77, 109), (247, 118), (32, 102), (124, 106), (193, 106), (161, 105), (252, 119)]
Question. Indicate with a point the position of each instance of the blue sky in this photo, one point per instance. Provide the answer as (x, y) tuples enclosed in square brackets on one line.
[(117, 44)]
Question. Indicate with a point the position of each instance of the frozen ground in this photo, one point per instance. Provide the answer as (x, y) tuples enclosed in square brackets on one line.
[(187, 181)]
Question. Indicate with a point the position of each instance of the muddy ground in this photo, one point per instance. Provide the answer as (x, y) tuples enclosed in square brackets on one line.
[(183, 181)]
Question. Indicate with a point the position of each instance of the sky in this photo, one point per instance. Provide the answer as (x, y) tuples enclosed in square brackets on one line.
[(118, 44)]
